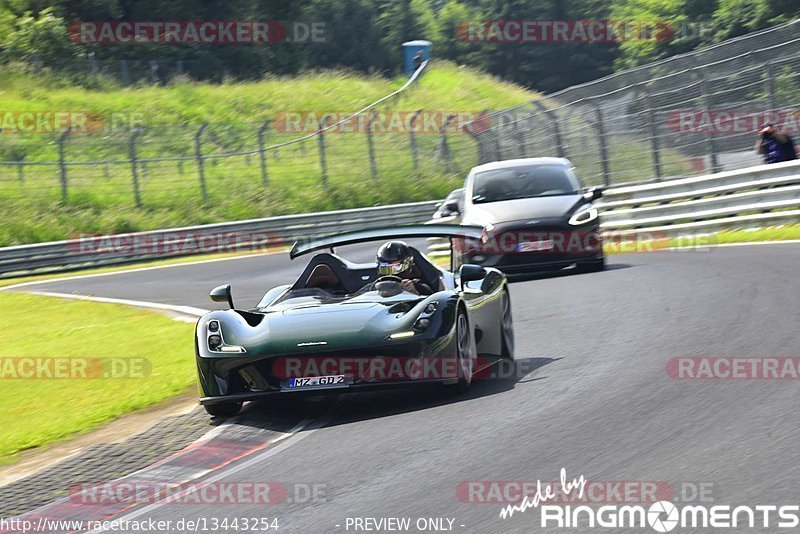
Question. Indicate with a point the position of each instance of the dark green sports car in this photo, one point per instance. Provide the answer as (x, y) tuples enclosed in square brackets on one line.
[(341, 326)]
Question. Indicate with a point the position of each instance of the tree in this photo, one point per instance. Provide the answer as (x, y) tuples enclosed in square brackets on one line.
[(41, 38)]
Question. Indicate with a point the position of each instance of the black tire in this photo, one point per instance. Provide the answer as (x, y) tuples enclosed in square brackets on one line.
[(594, 266), (223, 409), (507, 327), (465, 353)]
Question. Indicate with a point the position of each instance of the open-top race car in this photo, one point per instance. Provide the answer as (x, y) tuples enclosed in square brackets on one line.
[(345, 326)]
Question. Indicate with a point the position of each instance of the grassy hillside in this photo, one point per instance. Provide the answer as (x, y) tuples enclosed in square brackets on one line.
[(100, 196)]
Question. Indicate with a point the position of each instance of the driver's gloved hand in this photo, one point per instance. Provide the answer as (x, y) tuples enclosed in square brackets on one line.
[(410, 286), (421, 288)]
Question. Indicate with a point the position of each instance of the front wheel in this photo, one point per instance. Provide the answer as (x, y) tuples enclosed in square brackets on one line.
[(465, 353), (593, 266), (223, 409)]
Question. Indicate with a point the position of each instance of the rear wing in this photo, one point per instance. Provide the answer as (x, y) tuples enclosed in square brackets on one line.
[(376, 234)]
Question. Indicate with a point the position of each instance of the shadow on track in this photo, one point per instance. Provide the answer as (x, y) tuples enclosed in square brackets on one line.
[(284, 411), (513, 278)]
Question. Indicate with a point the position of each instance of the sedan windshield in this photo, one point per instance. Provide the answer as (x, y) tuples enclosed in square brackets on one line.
[(523, 182)]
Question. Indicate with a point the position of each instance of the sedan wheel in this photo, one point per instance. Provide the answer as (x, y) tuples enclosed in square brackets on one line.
[(508, 328)]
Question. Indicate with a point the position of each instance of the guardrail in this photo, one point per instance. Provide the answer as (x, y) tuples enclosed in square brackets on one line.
[(757, 196), (256, 234)]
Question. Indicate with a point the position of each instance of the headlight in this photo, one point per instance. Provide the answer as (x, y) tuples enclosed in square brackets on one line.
[(424, 319), (487, 231), (216, 343), (583, 216)]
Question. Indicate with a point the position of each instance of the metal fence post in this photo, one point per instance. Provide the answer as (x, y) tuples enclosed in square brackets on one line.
[(261, 151), (712, 145), (123, 72), (558, 141), (772, 96), (199, 156), (373, 165), (655, 146), (93, 64), (321, 142), (601, 135), (62, 164), (412, 139), (21, 171), (134, 172), (444, 147)]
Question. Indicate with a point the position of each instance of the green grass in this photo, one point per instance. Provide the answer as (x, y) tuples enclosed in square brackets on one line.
[(100, 197), (772, 233), (34, 412)]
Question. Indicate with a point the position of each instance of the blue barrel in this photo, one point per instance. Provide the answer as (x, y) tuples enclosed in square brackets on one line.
[(410, 50)]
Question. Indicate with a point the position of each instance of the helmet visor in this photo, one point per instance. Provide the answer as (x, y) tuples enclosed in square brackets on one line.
[(393, 268)]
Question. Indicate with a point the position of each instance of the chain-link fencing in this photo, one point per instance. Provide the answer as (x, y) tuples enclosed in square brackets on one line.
[(686, 115)]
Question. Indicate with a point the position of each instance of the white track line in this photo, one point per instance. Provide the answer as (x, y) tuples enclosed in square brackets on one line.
[(181, 310)]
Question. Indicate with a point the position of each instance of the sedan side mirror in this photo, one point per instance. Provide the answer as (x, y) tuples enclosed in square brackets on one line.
[(449, 208), (594, 193), (470, 273), (222, 294)]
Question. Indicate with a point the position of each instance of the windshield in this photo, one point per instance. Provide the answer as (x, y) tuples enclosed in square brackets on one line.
[(316, 296), (523, 182)]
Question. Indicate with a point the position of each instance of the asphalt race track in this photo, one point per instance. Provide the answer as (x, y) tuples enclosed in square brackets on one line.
[(596, 398)]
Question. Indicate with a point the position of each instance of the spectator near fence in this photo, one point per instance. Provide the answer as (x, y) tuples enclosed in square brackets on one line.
[(774, 146)]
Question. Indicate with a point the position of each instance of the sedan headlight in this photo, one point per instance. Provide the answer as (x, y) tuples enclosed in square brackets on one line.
[(583, 216)]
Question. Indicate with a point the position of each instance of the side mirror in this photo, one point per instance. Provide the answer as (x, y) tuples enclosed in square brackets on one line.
[(594, 193), (449, 208), (222, 294), (470, 273)]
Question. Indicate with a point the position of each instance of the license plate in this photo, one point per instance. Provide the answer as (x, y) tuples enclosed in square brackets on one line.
[(535, 246), (316, 382)]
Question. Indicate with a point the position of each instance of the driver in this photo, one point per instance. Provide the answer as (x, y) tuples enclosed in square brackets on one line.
[(395, 259)]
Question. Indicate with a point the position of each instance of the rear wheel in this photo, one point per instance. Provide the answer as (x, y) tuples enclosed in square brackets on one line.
[(223, 409), (507, 327)]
